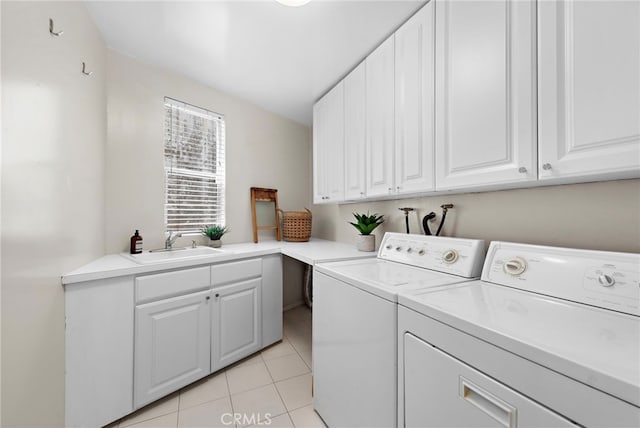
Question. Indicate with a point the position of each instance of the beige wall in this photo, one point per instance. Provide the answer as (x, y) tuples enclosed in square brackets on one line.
[(604, 216), (52, 194), (262, 150)]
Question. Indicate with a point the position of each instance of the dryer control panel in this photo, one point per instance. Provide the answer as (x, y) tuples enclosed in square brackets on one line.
[(604, 279), (462, 257)]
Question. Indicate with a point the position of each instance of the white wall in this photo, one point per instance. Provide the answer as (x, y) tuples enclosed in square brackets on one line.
[(604, 216), (262, 150), (53, 136)]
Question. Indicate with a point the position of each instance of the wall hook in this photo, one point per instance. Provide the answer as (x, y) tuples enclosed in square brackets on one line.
[(84, 70), (54, 33)]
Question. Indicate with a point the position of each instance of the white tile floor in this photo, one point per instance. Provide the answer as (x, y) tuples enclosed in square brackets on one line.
[(270, 388)]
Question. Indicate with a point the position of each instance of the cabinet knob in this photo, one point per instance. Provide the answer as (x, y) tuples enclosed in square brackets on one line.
[(208, 297), (397, 188), (522, 170), (217, 294), (546, 166)]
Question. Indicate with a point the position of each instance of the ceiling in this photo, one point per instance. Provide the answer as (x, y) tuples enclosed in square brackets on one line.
[(280, 58)]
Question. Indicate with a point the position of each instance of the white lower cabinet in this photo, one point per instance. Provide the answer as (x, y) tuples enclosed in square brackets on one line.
[(98, 373), (132, 340), (440, 390), (172, 345), (271, 299), (235, 322)]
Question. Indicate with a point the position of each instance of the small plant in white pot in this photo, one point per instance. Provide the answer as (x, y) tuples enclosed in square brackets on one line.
[(214, 233), (366, 224)]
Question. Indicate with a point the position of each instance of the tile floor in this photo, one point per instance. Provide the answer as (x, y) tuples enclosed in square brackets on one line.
[(272, 388)]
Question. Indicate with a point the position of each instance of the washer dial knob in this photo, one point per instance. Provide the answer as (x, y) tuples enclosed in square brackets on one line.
[(606, 280), (515, 266), (450, 256)]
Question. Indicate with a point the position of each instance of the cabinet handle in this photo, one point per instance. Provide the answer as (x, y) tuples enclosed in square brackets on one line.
[(522, 170), (546, 166), (502, 412)]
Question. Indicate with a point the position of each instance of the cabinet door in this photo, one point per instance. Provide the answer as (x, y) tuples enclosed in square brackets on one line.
[(415, 103), (589, 89), (442, 391), (172, 345), (355, 133), (380, 120), (328, 147), (485, 93), (235, 322)]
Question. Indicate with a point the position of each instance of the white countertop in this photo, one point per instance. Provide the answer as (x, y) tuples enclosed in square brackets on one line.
[(312, 252)]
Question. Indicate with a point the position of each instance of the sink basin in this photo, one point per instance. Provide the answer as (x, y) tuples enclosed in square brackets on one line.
[(160, 256)]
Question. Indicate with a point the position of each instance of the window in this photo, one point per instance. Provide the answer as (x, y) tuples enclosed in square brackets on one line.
[(194, 167)]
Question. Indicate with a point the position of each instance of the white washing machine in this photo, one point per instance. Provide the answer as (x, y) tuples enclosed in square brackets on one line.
[(548, 337), (355, 322)]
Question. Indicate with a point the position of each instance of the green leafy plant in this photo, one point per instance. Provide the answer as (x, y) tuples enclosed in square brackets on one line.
[(214, 232), (367, 223)]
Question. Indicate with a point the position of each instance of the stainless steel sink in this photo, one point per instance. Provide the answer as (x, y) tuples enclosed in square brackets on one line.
[(181, 253)]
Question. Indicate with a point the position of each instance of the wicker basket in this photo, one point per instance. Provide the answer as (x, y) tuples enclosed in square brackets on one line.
[(296, 225)]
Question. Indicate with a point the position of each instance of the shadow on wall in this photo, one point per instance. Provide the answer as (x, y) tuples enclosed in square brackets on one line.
[(602, 216)]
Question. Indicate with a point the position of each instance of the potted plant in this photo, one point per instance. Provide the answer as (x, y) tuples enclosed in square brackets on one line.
[(214, 233), (366, 224)]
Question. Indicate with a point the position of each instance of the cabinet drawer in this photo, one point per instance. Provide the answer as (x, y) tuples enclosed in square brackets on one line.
[(167, 284), (231, 272)]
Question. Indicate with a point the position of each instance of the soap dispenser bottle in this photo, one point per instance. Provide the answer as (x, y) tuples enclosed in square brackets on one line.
[(136, 243)]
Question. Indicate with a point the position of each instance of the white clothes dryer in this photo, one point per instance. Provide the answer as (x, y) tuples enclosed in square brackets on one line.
[(548, 337)]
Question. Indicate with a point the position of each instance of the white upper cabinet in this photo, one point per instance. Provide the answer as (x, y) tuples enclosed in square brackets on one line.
[(355, 133), (328, 147), (380, 120), (485, 93), (414, 103), (589, 89)]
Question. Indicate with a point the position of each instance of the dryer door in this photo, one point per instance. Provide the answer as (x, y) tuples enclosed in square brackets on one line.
[(441, 391)]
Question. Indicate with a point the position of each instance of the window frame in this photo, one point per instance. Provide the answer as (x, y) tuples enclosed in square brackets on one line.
[(194, 167)]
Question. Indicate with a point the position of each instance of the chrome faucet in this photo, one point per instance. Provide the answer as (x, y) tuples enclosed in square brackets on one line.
[(168, 243)]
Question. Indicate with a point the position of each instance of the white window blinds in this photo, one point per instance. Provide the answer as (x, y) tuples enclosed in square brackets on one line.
[(194, 167)]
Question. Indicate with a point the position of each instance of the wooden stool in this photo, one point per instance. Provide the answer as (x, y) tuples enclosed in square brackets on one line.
[(259, 194)]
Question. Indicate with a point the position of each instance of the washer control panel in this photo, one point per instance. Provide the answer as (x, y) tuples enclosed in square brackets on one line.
[(463, 257), (604, 279)]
